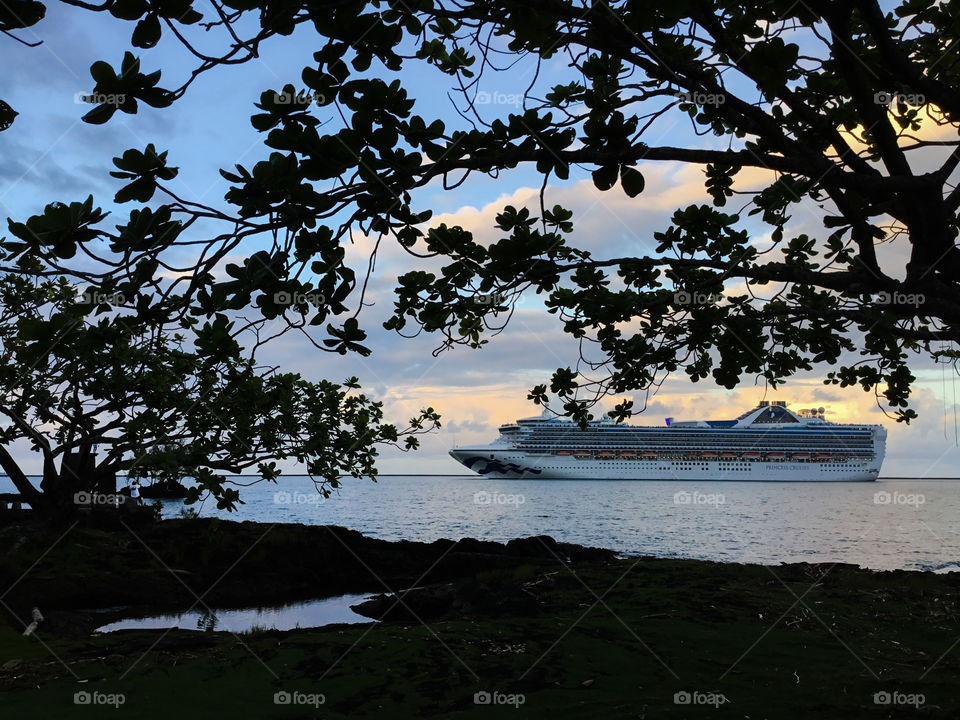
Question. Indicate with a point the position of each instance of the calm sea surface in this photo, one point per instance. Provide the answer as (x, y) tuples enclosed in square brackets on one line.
[(911, 524)]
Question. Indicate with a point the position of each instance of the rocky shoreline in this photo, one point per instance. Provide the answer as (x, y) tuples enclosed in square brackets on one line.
[(122, 563), (573, 631)]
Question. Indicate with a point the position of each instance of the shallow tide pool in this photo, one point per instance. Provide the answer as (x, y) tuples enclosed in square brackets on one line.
[(312, 613)]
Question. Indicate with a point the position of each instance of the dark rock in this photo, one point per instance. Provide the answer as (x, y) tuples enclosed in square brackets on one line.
[(109, 560), (539, 546), (427, 603)]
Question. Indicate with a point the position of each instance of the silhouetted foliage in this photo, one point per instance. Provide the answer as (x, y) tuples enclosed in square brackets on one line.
[(845, 110)]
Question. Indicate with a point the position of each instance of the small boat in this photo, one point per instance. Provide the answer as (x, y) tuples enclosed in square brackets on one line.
[(801, 456), (606, 454), (822, 456), (582, 454), (159, 490), (751, 455), (564, 452), (728, 456), (628, 454), (776, 455)]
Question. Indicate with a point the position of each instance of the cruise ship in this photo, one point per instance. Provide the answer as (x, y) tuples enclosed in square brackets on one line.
[(768, 443)]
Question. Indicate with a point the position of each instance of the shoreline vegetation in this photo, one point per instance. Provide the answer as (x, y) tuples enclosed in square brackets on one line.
[(529, 628)]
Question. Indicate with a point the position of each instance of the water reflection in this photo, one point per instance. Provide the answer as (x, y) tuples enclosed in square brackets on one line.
[(314, 613), (207, 621)]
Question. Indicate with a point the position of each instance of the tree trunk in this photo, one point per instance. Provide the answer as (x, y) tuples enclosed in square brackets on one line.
[(56, 495), (30, 494)]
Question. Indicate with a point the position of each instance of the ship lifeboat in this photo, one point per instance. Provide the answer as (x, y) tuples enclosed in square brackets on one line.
[(606, 454), (581, 454), (728, 456), (801, 456), (776, 455), (648, 455), (709, 455), (564, 452), (751, 455), (628, 454), (822, 456)]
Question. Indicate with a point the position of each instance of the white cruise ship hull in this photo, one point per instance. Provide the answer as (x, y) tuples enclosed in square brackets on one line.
[(504, 464), (769, 443)]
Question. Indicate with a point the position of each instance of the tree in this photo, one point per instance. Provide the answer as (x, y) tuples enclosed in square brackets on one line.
[(116, 379), (828, 102)]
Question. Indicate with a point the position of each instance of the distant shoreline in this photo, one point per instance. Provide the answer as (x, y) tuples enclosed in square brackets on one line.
[(471, 475)]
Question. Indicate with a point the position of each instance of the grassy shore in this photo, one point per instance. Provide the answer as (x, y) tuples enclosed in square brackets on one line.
[(546, 630)]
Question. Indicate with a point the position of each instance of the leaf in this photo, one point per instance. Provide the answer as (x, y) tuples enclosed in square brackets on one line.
[(605, 178), (147, 32), (7, 116), (16, 14), (156, 97), (129, 9), (103, 73), (100, 114), (129, 66), (631, 180)]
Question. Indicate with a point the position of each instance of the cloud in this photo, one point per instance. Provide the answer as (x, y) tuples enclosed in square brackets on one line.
[(933, 126), (460, 384)]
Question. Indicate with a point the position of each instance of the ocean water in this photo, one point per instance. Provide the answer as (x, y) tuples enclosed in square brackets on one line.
[(889, 524)]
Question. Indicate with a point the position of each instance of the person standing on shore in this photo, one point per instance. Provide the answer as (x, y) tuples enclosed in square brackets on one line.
[(135, 492)]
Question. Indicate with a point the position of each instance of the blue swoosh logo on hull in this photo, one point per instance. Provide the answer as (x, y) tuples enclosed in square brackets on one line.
[(496, 466)]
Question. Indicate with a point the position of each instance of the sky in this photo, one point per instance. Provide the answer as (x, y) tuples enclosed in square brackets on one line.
[(49, 154)]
